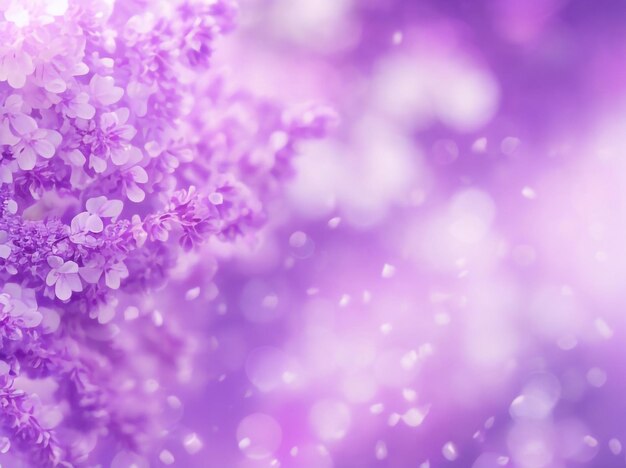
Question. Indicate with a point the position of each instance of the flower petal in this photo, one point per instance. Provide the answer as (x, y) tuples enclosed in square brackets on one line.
[(54, 261), (31, 318), (68, 268), (111, 209), (23, 123), (5, 251), (52, 277), (94, 223), (99, 165), (91, 274), (26, 158), (127, 132), (62, 288), (74, 281), (19, 67), (103, 89), (16, 78), (79, 222), (53, 137), (135, 155), (76, 158), (50, 320), (139, 174), (93, 204), (122, 115), (44, 148), (13, 103), (112, 279), (134, 193), (6, 135), (121, 269), (79, 107), (108, 121), (120, 156), (56, 86)]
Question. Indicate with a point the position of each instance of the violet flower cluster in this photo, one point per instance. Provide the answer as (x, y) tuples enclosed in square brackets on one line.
[(120, 148)]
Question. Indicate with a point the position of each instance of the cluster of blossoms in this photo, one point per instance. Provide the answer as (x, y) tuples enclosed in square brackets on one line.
[(120, 148)]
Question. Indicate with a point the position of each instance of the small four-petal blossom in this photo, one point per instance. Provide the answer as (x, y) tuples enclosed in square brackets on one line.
[(38, 142), (64, 277), (91, 220)]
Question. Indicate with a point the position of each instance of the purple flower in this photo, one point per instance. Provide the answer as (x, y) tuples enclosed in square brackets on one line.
[(139, 93), (79, 106), (104, 91), (15, 63), (98, 105), (111, 140), (5, 247), (21, 305), (114, 272), (38, 142), (13, 121), (64, 277), (97, 208), (138, 230), (134, 174)]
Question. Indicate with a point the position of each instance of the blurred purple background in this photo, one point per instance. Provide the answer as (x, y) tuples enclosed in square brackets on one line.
[(443, 282)]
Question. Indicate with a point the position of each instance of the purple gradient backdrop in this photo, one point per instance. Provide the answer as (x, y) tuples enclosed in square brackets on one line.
[(481, 155), (442, 281)]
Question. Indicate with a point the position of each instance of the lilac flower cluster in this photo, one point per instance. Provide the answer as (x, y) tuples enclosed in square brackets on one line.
[(120, 147)]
